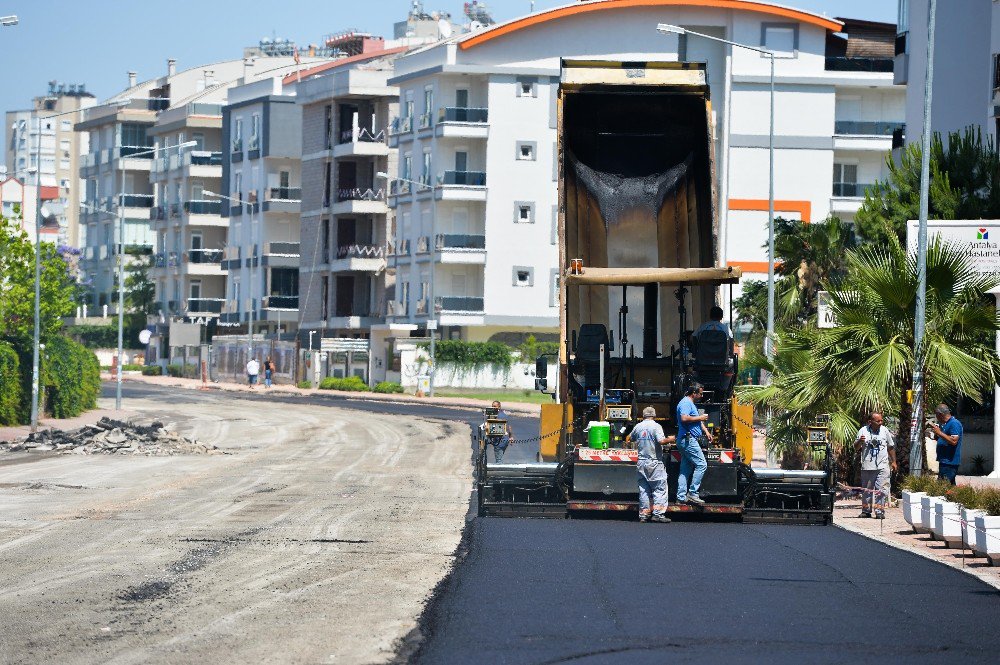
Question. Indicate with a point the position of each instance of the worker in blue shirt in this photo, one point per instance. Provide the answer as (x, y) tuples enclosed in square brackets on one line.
[(948, 432), (689, 428)]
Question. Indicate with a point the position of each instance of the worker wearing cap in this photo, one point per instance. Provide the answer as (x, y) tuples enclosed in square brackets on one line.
[(648, 436)]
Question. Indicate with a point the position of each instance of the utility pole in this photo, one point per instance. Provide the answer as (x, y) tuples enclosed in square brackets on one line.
[(919, 319)]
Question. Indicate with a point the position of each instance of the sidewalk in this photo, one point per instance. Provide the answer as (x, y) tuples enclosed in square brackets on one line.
[(285, 389), (894, 531), (88, 418)]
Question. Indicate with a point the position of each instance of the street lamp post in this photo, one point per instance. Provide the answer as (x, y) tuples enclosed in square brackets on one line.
[(432, 310), (253, 289), (675, 29), (919, 317), (121, 257)]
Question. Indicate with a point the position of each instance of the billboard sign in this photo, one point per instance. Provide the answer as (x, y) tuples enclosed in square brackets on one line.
[(979, 239)]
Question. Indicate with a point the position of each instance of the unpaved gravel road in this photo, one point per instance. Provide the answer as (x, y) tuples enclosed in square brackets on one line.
[(316, 541)]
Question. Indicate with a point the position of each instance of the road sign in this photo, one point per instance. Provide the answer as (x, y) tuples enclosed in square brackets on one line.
[(825, 318)]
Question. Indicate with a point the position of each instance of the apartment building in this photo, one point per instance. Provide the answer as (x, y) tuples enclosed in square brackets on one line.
[(261, 189), (475, 237), (966, 65), (35, 132), (345, 221), (18, 203)]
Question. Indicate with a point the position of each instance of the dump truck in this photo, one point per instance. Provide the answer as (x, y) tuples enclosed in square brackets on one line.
[(639, 272)]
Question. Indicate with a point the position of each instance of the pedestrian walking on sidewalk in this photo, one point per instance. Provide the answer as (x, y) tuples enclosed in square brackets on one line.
[(689, 428), (878, 455), (649, 438), (268, 372), (500, 443), (253, 369), (948, 432)]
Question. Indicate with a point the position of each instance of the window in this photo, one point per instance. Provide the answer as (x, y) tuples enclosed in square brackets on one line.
[(238, 135), (526, 151), (328, 126), (845, 180), (326, 239), (255, 131), (554, 283), (407, 167), (781, 38), (238, 185), (199, 139), (461, 161), (524, 212), (425, 178), (428, 100), (462, 99), (555, 225), (325, 299), (527, 87), (523, 276), (134, 135), (327, 177)]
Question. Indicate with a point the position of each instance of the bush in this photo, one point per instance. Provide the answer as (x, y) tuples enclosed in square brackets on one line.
[(72, 378), (95, 337), (471, 354), (305, 385), (350, 384), (10, 385), (388, 387), (966, 495), (133, 368), (989, 500), (152, 370), (176, 371)]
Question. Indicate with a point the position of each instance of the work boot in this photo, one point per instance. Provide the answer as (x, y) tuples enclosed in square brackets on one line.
[(643, 517), (865, 514), (663, 519), (695, 500)]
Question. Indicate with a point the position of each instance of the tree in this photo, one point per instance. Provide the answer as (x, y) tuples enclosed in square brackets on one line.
[(964, 184), (866, 363)]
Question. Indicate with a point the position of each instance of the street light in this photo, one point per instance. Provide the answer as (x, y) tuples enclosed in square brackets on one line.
[(121, 251), (252, 247), (431, 322), (769, 340)]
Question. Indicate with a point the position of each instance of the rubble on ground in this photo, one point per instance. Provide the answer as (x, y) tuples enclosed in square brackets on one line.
[(112, 437)]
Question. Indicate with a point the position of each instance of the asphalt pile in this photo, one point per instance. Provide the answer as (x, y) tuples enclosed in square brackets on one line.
[(112, 437)]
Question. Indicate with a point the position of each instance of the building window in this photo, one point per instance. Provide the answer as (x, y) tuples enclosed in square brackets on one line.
[(428, 100), (328, 126), (407, 173), (554, 283), (255, 131), (327, 177), (425, 177), (238, 184), (238, 135), (325, 299), (524, 212), (526, 151), (845, 180), (780, 38), (527, 87), (134, 136), (523, 276), (555, 225)]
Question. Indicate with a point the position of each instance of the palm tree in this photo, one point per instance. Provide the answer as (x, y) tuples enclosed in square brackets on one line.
[(866, 363)]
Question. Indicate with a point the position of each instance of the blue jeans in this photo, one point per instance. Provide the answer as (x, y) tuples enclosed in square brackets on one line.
[(693, 467), (267, 378), (947, 472), (498, 451)]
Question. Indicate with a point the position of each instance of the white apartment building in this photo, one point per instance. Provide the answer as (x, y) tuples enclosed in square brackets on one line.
[(475, 240), (18, 203), (345, 222), (262, 178), (966, 65), (35, 132)]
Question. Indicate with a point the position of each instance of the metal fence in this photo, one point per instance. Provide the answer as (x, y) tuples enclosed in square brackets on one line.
[(230, 356)]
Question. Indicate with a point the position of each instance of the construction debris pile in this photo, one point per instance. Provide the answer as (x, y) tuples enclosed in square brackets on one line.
[(112, 437)]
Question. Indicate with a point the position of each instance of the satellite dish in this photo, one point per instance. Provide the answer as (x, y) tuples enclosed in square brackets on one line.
[(444, 28), (144, 336)]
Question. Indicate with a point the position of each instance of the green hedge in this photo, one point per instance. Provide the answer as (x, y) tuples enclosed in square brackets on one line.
[(387, 387), (305, 385), (982, 498), (471, 354), (152, 370), (95, 337), (350, 384), (72, 378), (10, 385)]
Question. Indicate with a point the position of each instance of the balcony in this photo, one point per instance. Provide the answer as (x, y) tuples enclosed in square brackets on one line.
[(201, 207), (142, 201), (236, 151), (850, 189), (845, 64), (205, 305), (865, 128), (205, 256), (282, 199), (290, 303), (421, 308), (159, 260), (399, 187), (462, 304), (396, 308), (282, 254), (253, 148), (423, 245), (461, 186), (400, 247), (232, 258), (461, 248), (461, 122), (425, 121), (859, 135), (400, 129), (145, 152), (360, 200), (158, 213), (203, 158), (359, 258)]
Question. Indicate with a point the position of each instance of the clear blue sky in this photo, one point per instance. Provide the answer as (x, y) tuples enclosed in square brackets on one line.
[(97, 41)]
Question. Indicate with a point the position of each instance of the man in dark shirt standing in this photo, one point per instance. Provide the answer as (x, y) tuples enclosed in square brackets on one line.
[(948, 432)]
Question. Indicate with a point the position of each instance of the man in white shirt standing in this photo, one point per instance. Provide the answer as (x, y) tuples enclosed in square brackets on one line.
[(253, 369), (878, 455)]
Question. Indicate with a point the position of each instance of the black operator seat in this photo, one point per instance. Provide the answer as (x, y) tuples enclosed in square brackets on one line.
[(588, 352), (714, 358)]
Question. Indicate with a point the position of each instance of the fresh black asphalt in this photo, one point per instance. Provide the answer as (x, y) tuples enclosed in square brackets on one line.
[(614, 591)]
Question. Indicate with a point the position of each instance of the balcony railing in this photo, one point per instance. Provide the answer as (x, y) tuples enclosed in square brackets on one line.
[(360, 194), (459, 241), (425, 121), (135, 200), (204, 256), (136, 151), (422, 306), (173, 259), (236, 146), (205, 305), (175, 209), (458, 304), (159, 260), (463, 178), (400, 247), (282, 248), (850, 189), (204, 158), (362, 135), (401, 126), (845, 64), (203, 207), (281, 302), (461, 114), (284, 194), (360, 252), (423, 245), (396, 308), (866, 127), (398, 187), (158, 213)]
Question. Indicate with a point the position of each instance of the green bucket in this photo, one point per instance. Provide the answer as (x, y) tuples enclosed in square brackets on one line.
[(598, 435)]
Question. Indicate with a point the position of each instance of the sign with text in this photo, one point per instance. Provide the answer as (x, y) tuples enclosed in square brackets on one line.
[(342, 344), (979, 239), (825, 317)]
